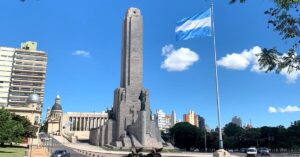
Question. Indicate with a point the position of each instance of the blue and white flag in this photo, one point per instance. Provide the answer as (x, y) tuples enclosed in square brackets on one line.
[(196, 26)]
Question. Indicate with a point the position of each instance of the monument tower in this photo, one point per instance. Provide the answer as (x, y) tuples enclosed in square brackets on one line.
[(129, 121)]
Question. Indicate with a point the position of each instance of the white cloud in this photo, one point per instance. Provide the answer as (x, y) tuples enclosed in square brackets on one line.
[(240, 61), (291, 77), (248, 59), (272, 109), (234, 61), (289, 108), (178, 59), (82, 53)]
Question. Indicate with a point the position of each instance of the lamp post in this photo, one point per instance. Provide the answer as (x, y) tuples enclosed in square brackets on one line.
[(205, 142), (30, 146), (50, 145)]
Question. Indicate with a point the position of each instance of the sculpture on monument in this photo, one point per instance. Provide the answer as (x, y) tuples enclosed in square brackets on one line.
[(129, 123), (143, 98)]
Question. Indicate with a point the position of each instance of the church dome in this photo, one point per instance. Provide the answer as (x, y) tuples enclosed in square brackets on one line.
[(57, 105), (33, 98)]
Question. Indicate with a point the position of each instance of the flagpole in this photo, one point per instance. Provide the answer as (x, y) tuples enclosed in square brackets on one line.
[(216, 76)]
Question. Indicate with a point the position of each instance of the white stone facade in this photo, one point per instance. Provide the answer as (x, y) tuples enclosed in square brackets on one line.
[(71, 124), (84, 121), (79, 124)]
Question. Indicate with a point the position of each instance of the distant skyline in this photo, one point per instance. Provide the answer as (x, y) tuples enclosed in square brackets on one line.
[(83, 42)]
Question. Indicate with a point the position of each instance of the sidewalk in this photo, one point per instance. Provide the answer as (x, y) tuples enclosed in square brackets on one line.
[(39, 152)]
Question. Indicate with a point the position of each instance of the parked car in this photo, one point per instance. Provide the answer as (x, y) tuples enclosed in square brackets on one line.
[(60, 153), (264, 151), (251, 152), (243, 150)]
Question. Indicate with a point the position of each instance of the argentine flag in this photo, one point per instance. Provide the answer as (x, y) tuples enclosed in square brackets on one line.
[(196, 26)]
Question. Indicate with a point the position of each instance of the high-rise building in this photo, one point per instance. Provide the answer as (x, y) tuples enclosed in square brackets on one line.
[(173, 118), (191, 117), (22, 71), (237, 121), (6, 66), (165, 121), (201, 122), (161, 120)]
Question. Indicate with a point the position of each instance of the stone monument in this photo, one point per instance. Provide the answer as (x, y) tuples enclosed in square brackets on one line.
[(130, 123)]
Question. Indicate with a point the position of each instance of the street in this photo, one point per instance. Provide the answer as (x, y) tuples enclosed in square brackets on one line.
[(58, 146), (271, 155)]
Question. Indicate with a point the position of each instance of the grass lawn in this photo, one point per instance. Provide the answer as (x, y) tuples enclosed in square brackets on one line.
[(12, 152)]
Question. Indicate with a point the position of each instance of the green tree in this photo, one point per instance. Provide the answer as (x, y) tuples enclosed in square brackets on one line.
[(273, 137), (10, 130), (212, 140), (185, 135), (232, 129), (284, 18), (232, 135), (294, 135), (251, 137), (30, 130)]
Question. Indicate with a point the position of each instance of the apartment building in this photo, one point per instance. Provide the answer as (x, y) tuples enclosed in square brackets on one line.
[(192, 118), (165, 121), (22, 70), (6, 65)]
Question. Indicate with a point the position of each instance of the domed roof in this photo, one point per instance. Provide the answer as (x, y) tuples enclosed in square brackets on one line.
[(57, 105), (33, 98)]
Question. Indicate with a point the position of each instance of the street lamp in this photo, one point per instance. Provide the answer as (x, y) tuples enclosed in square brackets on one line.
[(51, 145), (205, 143), (48, 144)]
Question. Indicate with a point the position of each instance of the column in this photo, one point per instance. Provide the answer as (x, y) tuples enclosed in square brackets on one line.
[(70, 120), (84, 123), (97, 122), (88, 123), (79, 124), (101, 121), (91, 119), (74, 123), (94, 124)]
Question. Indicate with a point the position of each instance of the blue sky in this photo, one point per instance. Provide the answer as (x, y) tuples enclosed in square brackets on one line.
[(92, 30)]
